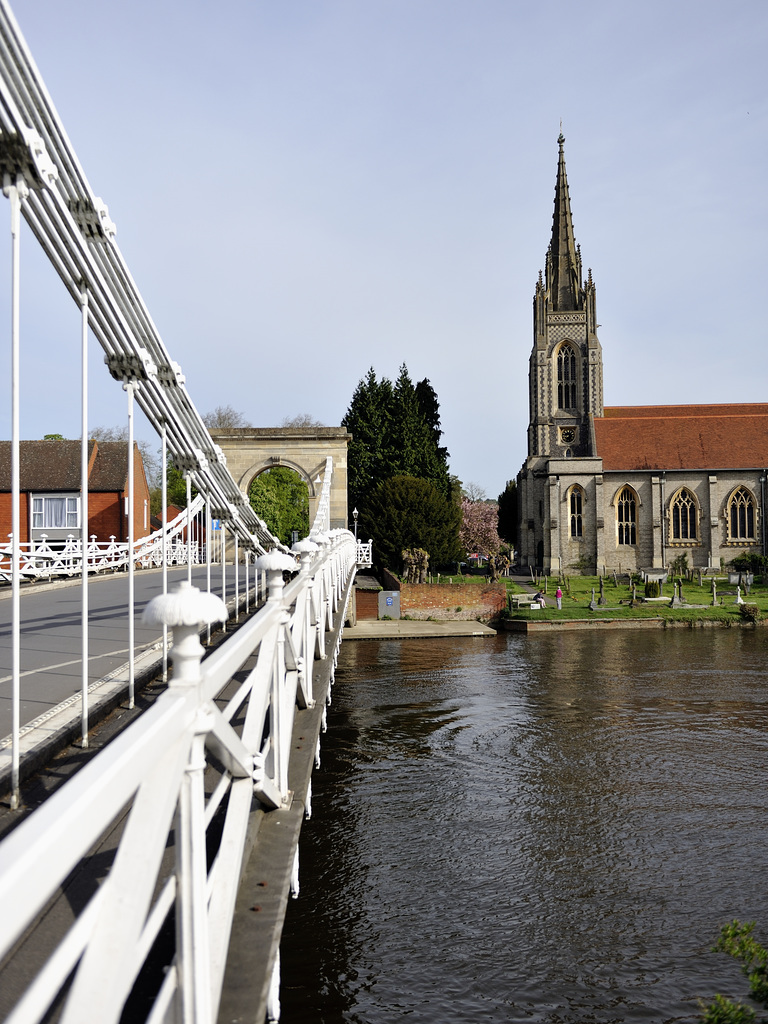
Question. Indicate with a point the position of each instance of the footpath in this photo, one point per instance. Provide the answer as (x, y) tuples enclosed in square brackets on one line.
[(389, 629)]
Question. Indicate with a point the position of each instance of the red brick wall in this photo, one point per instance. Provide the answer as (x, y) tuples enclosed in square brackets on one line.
[(140, 498), (367, 602), (105, 517), (5, 517), (440, 600)]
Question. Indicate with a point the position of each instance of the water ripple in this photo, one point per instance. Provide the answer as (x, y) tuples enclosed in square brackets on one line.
[(532, 830)]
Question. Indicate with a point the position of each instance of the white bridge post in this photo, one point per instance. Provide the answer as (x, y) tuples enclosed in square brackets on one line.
[(15, 192)]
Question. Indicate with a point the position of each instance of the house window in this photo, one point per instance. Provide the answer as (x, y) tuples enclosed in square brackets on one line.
[(683, 516), (741, 515), (575, 504), (55, 512), (626, 516), (566, 378)]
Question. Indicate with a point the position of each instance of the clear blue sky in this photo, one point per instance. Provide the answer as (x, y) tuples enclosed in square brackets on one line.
[(306, 188)]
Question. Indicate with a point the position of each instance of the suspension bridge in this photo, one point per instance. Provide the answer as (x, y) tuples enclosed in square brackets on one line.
[(152, 885)]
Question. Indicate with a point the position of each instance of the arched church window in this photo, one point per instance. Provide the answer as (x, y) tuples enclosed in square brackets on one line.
[(683, 515), (576, 502), (741, 515), (566, 378), (626, 516)]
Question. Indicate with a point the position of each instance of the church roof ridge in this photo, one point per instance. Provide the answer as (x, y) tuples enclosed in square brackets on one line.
[(725, 409)]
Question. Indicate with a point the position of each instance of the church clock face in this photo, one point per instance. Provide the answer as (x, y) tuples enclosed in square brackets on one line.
[(568, 435)]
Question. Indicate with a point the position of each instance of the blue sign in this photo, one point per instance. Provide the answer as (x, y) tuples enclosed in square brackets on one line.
[(390, 600), (215, 524)]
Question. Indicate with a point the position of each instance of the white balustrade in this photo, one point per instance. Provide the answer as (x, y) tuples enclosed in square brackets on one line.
[(157, 765)]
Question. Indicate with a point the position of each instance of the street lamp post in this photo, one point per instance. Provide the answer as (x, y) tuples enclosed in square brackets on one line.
[(355, 514)]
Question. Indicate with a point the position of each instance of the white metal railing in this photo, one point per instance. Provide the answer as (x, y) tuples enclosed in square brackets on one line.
[(41, 560), (364, 554), (157, 766)]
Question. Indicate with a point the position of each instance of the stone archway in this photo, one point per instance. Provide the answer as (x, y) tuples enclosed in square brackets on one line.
[(251, 450)]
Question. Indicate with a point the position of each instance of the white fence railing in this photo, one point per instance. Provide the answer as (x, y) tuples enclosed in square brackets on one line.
[(157, 766), (41, 560)]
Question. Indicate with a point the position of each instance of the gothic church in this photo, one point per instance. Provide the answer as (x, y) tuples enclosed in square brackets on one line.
[(625, 488)]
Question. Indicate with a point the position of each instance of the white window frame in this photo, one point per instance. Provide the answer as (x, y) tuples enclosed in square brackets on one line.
[(41, 513)]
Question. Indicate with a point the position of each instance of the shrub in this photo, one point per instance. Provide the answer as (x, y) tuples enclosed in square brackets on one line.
[(737, 940), (652, 588), (723, 1011), (750, 613), (748, 562)]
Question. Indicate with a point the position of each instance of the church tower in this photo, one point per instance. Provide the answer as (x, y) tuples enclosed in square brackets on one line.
[(566, 365)]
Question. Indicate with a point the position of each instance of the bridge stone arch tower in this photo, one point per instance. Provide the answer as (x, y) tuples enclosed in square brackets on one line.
[(252, 450)]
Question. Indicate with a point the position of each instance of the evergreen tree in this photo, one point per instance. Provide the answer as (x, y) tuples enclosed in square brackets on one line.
[(403, 512), (430, 410), (395, 431), (508, 525), (371, 453)]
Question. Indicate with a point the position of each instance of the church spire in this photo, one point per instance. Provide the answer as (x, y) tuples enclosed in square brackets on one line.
[(563, 258)]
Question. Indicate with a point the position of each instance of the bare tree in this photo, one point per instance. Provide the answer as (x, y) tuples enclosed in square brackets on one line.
[(474, 492), (304, 419), (150, 458), (224, 417)]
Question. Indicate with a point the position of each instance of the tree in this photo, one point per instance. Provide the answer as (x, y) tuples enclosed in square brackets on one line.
[(280, 497), (404, 512), (415, 438), (54, 437), (395, 431), (370, 457), (508, 525), (224, 417), (478, 531), (474, 492), (302, 420)]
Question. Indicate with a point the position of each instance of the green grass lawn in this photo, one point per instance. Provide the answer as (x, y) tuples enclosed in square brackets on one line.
[(577, 595)]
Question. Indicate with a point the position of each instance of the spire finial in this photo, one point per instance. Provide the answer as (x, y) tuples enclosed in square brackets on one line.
[(561, 137)]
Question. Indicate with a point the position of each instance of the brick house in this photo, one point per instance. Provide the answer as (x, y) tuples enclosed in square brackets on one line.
[(50, 490), (632, 487)]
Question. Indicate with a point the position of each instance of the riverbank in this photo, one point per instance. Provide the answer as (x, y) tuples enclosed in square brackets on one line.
[(529, 626)]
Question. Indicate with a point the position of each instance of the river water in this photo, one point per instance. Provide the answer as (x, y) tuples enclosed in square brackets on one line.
[(532, 829)]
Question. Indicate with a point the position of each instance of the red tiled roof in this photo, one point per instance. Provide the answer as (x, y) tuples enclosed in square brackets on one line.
[(659, 437)]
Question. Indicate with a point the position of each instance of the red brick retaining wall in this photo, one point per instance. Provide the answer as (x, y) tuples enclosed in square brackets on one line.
[(441, 600)]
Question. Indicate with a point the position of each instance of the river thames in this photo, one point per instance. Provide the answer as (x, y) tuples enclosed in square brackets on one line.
[(542, 829)]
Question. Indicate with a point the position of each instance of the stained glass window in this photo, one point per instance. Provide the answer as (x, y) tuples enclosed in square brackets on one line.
[(741, 515), (575, 514), (626, 516), (683, 516)]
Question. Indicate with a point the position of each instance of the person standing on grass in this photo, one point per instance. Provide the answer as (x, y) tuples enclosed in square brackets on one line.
[(559, 598)]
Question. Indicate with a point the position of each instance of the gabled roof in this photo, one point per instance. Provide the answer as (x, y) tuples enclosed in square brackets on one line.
[(55, 465), (669, 437)]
